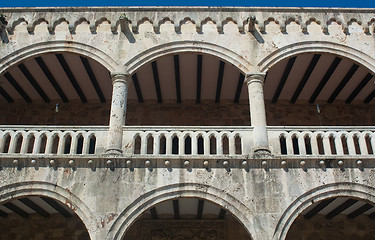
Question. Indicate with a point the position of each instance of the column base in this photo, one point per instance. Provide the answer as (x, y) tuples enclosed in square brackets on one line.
[(261, 152), (116, 152)]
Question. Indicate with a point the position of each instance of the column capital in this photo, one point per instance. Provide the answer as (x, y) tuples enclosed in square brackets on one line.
[(120, 77), (255, 77)]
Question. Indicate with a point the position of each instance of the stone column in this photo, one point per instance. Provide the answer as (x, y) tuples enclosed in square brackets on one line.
[(254, 82), (118, 112)]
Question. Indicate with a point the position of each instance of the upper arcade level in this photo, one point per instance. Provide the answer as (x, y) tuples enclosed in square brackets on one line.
[(187, 83)]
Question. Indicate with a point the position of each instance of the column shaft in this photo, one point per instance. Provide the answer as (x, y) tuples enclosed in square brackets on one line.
[(257, 111), (118, 112)]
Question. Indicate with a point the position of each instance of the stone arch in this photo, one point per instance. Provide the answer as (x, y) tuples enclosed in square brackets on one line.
[(59, 46), (187, 46), (23, 189), (130, 215), (344, 189), (316, 47)]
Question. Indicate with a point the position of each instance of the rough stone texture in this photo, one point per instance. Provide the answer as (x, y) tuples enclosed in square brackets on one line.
[(109, 200), (319, 228), (36, 227)]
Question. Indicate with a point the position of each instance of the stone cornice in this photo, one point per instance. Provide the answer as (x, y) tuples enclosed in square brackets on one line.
[(255, 18)]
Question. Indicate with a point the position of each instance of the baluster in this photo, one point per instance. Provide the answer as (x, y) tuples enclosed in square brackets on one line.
[(301, 143), (194, 143), (86, 144), (362, 143), (156, 147), (206, 144), (144, 137), (181, 143), (326, 144), (219, 143), (232, 146), (74, 145), (168, 143), (60, 147), (338, 144), (13, 142), (350, 142), (25, 142), (2, 142), (289, 144), (372, 141), (49, 143), (314, 144), (37, 142)]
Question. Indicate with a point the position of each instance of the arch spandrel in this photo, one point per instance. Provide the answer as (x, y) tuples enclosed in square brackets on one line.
[(342, 189), (36, 49), (46, 189), (184, 190), (176, 47), (271, 59)]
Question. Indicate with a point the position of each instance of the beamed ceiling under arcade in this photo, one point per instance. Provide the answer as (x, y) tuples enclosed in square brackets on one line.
[(304, 78)]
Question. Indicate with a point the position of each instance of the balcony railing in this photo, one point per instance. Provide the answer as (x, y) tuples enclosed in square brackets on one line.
[(191, 142), (322, 141), (52, 140), (187, 142)]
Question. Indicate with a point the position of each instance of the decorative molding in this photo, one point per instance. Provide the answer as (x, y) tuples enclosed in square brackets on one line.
[(242, 17)]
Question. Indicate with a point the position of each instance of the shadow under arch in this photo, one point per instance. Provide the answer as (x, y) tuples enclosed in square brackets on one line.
[(344, 189), (187, 47), (316, 47), (130, 215), (59, 46), (45, 189)]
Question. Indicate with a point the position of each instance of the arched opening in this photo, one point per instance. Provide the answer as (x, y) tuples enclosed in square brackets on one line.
[(67, 144), (186, 218), (18, 144), (92, 144), (318, 89), (40, 217), (200, 145), (150, 144), (55, 144), (213, 148), (283, 147), (79, 144), (335, 218), (163, 145), (53, 83), (188, 89)]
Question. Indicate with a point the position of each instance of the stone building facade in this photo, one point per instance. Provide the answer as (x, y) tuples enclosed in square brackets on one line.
[(187, 123)]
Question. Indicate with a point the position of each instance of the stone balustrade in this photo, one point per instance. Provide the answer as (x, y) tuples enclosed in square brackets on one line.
[(322, 141), (49, 140), (196, 142), (191, 142)]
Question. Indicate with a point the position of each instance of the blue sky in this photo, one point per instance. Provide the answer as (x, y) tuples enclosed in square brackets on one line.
[(252, 3)]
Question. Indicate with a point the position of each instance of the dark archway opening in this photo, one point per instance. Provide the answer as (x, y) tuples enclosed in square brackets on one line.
[(187, 218), (39, 217), (341, 218)]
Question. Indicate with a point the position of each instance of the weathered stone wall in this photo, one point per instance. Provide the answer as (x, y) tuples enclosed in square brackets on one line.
[(114, 197), (189, 114), (340, 227), (35, 227)]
